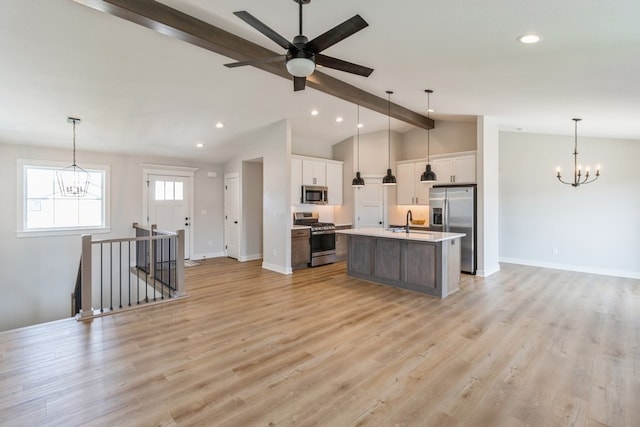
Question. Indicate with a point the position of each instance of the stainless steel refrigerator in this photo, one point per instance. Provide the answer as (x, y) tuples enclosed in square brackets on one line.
[(452, 208)]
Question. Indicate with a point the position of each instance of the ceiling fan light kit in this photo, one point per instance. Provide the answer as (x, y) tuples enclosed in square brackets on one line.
[(300, 67), (303, 55)]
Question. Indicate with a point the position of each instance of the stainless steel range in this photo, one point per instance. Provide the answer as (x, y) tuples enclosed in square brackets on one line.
[(323, 237)]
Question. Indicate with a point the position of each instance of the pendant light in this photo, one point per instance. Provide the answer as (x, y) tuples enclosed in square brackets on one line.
[(428, 175), (358, 181), (73, 180), (389, 179), (578, 179)]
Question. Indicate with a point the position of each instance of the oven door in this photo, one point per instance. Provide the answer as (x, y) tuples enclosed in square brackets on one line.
[(323, 242)]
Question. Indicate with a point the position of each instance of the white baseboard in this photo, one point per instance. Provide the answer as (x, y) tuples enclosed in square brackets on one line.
[(578, 268), (276, 268), (250, 257), (488, 272), (207, 255)]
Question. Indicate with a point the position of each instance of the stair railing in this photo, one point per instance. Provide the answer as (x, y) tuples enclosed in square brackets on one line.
[(112, 279)]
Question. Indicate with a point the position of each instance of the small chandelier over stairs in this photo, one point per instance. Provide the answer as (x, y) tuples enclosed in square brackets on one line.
[(73, 180)]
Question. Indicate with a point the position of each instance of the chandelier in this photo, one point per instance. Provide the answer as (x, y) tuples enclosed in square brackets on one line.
[(578, 177), (73, 180)]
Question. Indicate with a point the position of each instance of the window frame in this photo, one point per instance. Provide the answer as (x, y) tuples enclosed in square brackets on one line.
[(21, 196)]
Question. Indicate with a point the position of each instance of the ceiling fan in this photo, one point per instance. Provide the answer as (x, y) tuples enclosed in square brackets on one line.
[(303, 55)]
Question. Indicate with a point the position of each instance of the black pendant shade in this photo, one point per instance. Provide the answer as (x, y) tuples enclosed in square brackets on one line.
[(428, 174), (357, 181), (389, 178)]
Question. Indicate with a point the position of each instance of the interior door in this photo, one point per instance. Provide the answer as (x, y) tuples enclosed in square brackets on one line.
[(169, 204), (369, 204), (232, 216)]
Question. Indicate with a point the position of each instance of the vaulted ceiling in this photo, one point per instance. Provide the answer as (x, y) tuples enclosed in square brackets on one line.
[(138, 90)]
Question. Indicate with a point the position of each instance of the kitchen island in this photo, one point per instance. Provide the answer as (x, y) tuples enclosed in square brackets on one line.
[(422, 261)]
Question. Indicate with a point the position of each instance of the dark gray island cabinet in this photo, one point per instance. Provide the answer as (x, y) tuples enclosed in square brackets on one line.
[(426, 262)]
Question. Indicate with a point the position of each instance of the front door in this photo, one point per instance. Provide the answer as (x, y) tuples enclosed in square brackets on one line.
[(168, 205)]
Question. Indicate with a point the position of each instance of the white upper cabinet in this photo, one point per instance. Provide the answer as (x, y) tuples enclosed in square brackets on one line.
[(296, 181), (334, 183), (410, 191), (455, 169), (314, 172)]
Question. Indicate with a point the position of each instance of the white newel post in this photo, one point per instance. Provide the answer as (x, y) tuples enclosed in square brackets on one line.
[(180, 264), (86, 310)]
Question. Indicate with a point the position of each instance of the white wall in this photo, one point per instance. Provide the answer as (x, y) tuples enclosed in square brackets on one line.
[(446, 137), (37, 274), (487, 174), (252, 184), (346, 151), (595, 228), (273, 144)]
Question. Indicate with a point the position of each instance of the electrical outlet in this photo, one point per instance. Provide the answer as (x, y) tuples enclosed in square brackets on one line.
[(555, 251)]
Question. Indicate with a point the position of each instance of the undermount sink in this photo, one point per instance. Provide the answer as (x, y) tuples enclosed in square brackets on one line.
[(397, 229)]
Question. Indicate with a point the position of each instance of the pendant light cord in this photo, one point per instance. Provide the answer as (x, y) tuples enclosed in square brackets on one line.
[(429, 92), (389, 131), (74, 142), (358, 135)]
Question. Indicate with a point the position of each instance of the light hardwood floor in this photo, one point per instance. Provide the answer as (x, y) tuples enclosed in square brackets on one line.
[(526, 346)]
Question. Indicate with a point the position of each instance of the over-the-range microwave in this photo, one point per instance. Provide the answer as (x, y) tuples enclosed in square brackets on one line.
[(314, 195)]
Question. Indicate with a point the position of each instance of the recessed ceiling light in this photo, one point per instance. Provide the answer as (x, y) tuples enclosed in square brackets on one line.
[(430, 110), (314, 112), (529, 38), (219, 125), (360, 125), (199, 145), (339, 119)]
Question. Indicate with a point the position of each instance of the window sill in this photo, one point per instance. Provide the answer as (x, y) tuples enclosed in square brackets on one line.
[(63, 232)]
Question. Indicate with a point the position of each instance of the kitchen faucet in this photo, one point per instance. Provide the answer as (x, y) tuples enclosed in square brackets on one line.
[(409, 217)]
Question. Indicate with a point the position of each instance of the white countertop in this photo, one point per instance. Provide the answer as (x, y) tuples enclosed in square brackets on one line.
[(425, 236)]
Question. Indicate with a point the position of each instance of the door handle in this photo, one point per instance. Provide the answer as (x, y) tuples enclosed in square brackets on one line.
[(235, 222)]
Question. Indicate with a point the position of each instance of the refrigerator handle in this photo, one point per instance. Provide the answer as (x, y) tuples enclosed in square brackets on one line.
[(445, 216)]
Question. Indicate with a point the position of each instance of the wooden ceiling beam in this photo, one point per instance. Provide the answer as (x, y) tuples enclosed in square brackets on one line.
[(173, 23)]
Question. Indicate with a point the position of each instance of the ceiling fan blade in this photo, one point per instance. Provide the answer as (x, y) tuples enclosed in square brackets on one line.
[(264, 29), (339, 64), (255, 61), (299, 83), (337, 33)]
